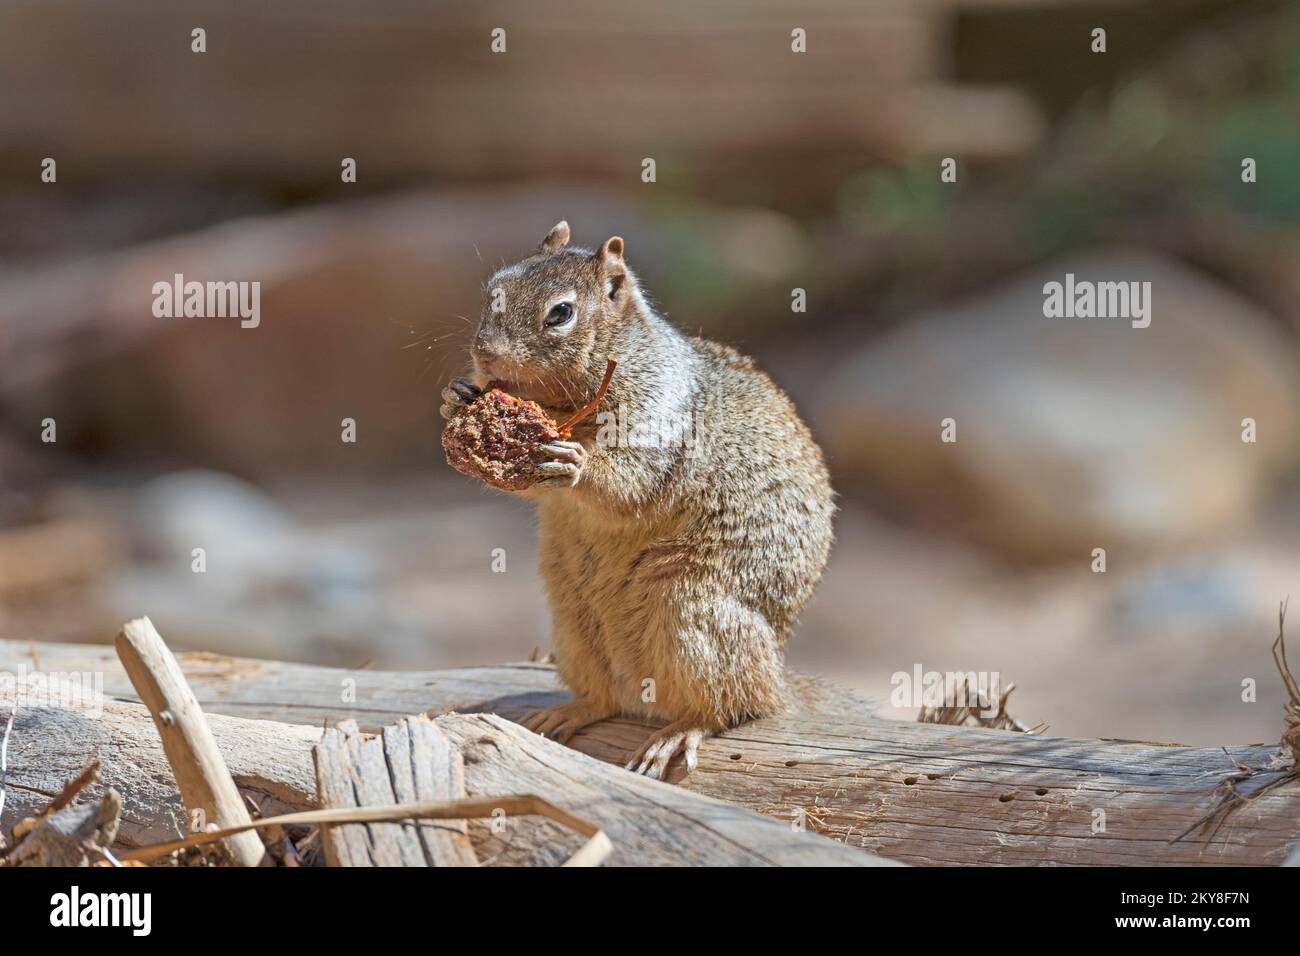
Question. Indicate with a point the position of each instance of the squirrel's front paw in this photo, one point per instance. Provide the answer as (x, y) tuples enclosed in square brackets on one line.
[(565, 464), (459, 393)]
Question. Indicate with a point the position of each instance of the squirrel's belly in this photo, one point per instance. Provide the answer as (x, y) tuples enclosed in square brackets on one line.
[(604, 613), (686, 619)]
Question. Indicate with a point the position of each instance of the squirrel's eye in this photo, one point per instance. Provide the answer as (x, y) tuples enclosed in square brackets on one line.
[(560, 313)]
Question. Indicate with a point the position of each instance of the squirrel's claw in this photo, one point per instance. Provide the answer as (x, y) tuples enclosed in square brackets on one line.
[(565, 466), (683, 736), (462, 389), (570, 451), (458, 393)]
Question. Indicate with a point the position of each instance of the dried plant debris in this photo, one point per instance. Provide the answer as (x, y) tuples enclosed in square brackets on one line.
[(74, 836), (975, 713), (1291, 710), (4, 763), (66, 833), (1246, 784), (499, 438), (61, 836), (208, 855)]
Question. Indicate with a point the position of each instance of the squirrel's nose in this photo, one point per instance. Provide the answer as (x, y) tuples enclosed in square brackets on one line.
[(486, 357), (490, 346)]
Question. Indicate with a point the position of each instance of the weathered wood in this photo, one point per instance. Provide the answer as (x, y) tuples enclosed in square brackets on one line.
[(648, 822), (919, 793), (313, 695), (409, 761), (209, 793), (593, 852), (54, 738)]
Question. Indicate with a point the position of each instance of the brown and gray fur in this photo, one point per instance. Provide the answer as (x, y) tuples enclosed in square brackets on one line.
[(687, 564)]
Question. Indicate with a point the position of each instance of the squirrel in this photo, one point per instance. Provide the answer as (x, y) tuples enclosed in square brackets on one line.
[(675, 563)]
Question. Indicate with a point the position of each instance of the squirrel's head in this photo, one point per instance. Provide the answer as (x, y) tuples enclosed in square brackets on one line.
[(549, 321)]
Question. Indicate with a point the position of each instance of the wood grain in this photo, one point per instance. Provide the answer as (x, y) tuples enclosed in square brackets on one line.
[(649, 823), (409, 761)]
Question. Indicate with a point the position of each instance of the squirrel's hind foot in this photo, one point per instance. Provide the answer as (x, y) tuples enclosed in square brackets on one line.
[(564, 720), (682, 736)]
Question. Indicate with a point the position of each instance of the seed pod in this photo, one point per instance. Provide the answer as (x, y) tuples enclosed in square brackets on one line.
[(498, 438)]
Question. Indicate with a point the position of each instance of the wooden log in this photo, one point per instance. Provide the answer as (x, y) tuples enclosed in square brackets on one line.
[(673, 826), (56, 734), (409, 761), (209, 793), (313, 695), (920, 793), (272, 764)]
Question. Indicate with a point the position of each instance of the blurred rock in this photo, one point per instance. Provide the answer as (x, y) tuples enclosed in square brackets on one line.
[(262, 579), (248, 540), (1072, 433), (1138, 653), (251, 544), (406, 575)]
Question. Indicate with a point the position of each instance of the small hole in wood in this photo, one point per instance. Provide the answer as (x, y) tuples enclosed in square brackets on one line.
[(735, 756), (910, 781), (931, 776), (1007, 797), (792, 763), (1041, 791)]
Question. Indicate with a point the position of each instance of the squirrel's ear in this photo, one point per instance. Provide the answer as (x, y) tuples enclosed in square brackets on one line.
[(557, 238), (610, 259), (611, 251)]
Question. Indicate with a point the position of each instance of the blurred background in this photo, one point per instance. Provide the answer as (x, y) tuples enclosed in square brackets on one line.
[(775, 170)]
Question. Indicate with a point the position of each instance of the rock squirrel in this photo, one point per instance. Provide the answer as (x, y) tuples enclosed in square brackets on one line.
[(682, 529)]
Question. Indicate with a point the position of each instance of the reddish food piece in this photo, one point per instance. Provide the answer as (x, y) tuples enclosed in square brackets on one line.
[(498, 438)]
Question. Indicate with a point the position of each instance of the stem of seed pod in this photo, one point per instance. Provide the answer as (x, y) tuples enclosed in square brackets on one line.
[(566, 429)]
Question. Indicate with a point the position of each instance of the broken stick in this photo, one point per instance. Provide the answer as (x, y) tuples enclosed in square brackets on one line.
[(206, 787), (592, 853)]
